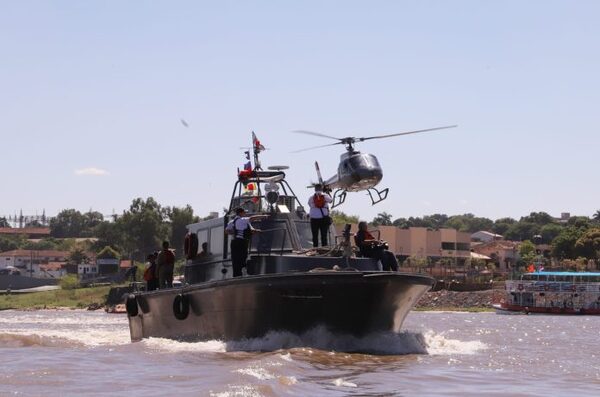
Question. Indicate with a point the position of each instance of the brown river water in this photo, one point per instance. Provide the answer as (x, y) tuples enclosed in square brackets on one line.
[(74, 353)]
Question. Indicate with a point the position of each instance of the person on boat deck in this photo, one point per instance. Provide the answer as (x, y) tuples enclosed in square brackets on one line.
[(204, 253), (240, 229), (165, 262), (150, 272), (319, 215), (370, 247)]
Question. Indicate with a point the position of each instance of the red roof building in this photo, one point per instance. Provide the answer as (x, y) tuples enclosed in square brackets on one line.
[(30, 232)]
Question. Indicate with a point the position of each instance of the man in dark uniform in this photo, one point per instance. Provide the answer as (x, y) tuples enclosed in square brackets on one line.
[(240, 229), (370, 247)]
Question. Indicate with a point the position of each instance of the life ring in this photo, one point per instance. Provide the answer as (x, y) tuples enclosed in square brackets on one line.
[(520, 287), (190, 245), (131, 305), (181, 306)]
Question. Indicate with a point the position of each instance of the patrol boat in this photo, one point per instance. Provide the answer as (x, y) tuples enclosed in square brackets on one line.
[(289, 285)]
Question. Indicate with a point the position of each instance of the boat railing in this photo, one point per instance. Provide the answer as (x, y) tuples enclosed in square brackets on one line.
[(551, 286)]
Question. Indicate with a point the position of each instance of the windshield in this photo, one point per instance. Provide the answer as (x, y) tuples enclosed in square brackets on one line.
[(273, 237)]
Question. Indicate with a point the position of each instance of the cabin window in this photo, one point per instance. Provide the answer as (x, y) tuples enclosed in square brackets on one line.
[(274, 237), (215, 246), (202, 238), (305, 234)]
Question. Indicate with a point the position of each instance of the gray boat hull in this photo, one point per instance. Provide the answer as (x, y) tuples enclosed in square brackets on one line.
[(345, 302)]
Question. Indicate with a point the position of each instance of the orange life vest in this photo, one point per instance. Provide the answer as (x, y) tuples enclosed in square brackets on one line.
[(319, 200)]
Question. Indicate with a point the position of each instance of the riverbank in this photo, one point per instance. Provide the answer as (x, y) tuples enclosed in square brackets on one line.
[(460, 301), (81, 298)]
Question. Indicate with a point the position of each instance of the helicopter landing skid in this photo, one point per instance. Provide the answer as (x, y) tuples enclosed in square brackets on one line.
[(380, 195), (339, 196)]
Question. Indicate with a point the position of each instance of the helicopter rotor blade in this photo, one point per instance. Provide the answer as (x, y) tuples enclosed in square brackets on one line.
[(317, 147), (315, 134), (405, 133)]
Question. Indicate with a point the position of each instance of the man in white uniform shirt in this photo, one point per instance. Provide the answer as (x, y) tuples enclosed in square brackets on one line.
[(319, 215), (240, 229)]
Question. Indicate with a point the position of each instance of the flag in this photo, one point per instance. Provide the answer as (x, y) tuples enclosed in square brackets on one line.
[(256, 143), (248, 166), (247, 153)]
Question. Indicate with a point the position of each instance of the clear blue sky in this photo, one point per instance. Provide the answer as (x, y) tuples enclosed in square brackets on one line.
[(104, 85)]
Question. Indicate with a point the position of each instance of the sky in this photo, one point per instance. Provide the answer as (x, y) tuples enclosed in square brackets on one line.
[(92, 95)]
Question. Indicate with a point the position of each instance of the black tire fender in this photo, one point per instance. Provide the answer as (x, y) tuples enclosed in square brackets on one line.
[(181, 307), (131, 305)]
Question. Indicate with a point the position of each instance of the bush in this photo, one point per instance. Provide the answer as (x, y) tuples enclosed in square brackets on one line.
[(69, 282)]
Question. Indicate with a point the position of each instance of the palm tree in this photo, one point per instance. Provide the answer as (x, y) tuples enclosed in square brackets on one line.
[(597, 216)]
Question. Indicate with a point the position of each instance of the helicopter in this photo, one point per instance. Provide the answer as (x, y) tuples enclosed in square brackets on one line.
[(357, 171)]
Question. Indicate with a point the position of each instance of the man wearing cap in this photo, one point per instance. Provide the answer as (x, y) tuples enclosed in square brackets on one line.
[(240, 229)]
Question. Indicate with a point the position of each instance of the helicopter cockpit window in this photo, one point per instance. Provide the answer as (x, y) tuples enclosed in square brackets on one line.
[(358, 162)]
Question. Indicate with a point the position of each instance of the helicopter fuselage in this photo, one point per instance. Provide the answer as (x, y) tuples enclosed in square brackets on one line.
[(357, 171)]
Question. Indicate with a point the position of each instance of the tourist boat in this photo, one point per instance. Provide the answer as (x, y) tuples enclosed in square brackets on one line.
[(553, 293), (289, 285)]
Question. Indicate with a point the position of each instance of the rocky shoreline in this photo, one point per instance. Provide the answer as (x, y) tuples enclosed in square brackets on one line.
[(454, 300)]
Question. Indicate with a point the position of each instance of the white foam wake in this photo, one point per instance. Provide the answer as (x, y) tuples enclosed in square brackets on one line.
[(318, 338), (438, 344)]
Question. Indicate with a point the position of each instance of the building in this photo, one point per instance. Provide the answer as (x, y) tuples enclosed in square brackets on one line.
[(87, 270), (421, 242), (54, 269), (28, 232), (502, 252), (485, 237), (107, 266), (29, 261)]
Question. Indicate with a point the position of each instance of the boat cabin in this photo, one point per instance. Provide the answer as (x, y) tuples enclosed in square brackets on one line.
[(284, 243)]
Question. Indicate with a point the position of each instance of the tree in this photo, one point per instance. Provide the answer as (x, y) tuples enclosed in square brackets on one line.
[(527, 252), (179, 218), (9, 243), (579, 221), (4, 222), (33, 223), (469, 223), (68, 223), (501, 225), (78, 255), (382, 219), (44, 244), (109, 234), (597, 216), (550, 231), (563, 246), (539, 218), (402, 223), (143, 227), (521, 231), (91, 220), (588, 245), (435, 221), (340, 218)]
